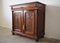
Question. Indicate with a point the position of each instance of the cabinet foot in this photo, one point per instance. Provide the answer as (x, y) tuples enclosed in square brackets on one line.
[(13, 33), (37, 40), (42, 36)]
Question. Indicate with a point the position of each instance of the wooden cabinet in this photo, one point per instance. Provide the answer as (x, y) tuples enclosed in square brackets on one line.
[(29, 20)]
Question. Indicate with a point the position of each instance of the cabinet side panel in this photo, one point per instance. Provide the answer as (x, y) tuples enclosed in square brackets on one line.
[(36, 29), (41, 21)]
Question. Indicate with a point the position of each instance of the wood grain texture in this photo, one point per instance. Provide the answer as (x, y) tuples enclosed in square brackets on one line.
[(29, 20)]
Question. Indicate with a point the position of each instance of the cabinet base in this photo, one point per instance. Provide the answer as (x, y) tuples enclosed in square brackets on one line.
[(32, 37)]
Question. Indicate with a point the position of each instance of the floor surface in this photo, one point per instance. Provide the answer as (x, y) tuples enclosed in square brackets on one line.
[(7, 37)]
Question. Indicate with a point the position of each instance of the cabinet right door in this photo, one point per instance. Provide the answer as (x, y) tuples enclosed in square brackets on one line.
[(29, 22)]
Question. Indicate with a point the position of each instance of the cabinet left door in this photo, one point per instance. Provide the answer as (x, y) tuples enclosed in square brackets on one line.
[(17, 21)]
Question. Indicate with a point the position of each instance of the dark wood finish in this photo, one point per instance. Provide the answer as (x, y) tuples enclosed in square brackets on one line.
[(29, 20)]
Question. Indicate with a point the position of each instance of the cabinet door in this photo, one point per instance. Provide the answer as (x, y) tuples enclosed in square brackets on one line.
[(29, 22), (18, 20)]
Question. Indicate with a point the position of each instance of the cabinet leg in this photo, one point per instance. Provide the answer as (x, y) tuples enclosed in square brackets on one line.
[(13, 33), (42, 36), (37, 40)]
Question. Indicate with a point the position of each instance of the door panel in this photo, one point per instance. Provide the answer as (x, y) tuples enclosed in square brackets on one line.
[(18, 20), (29, 17)]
